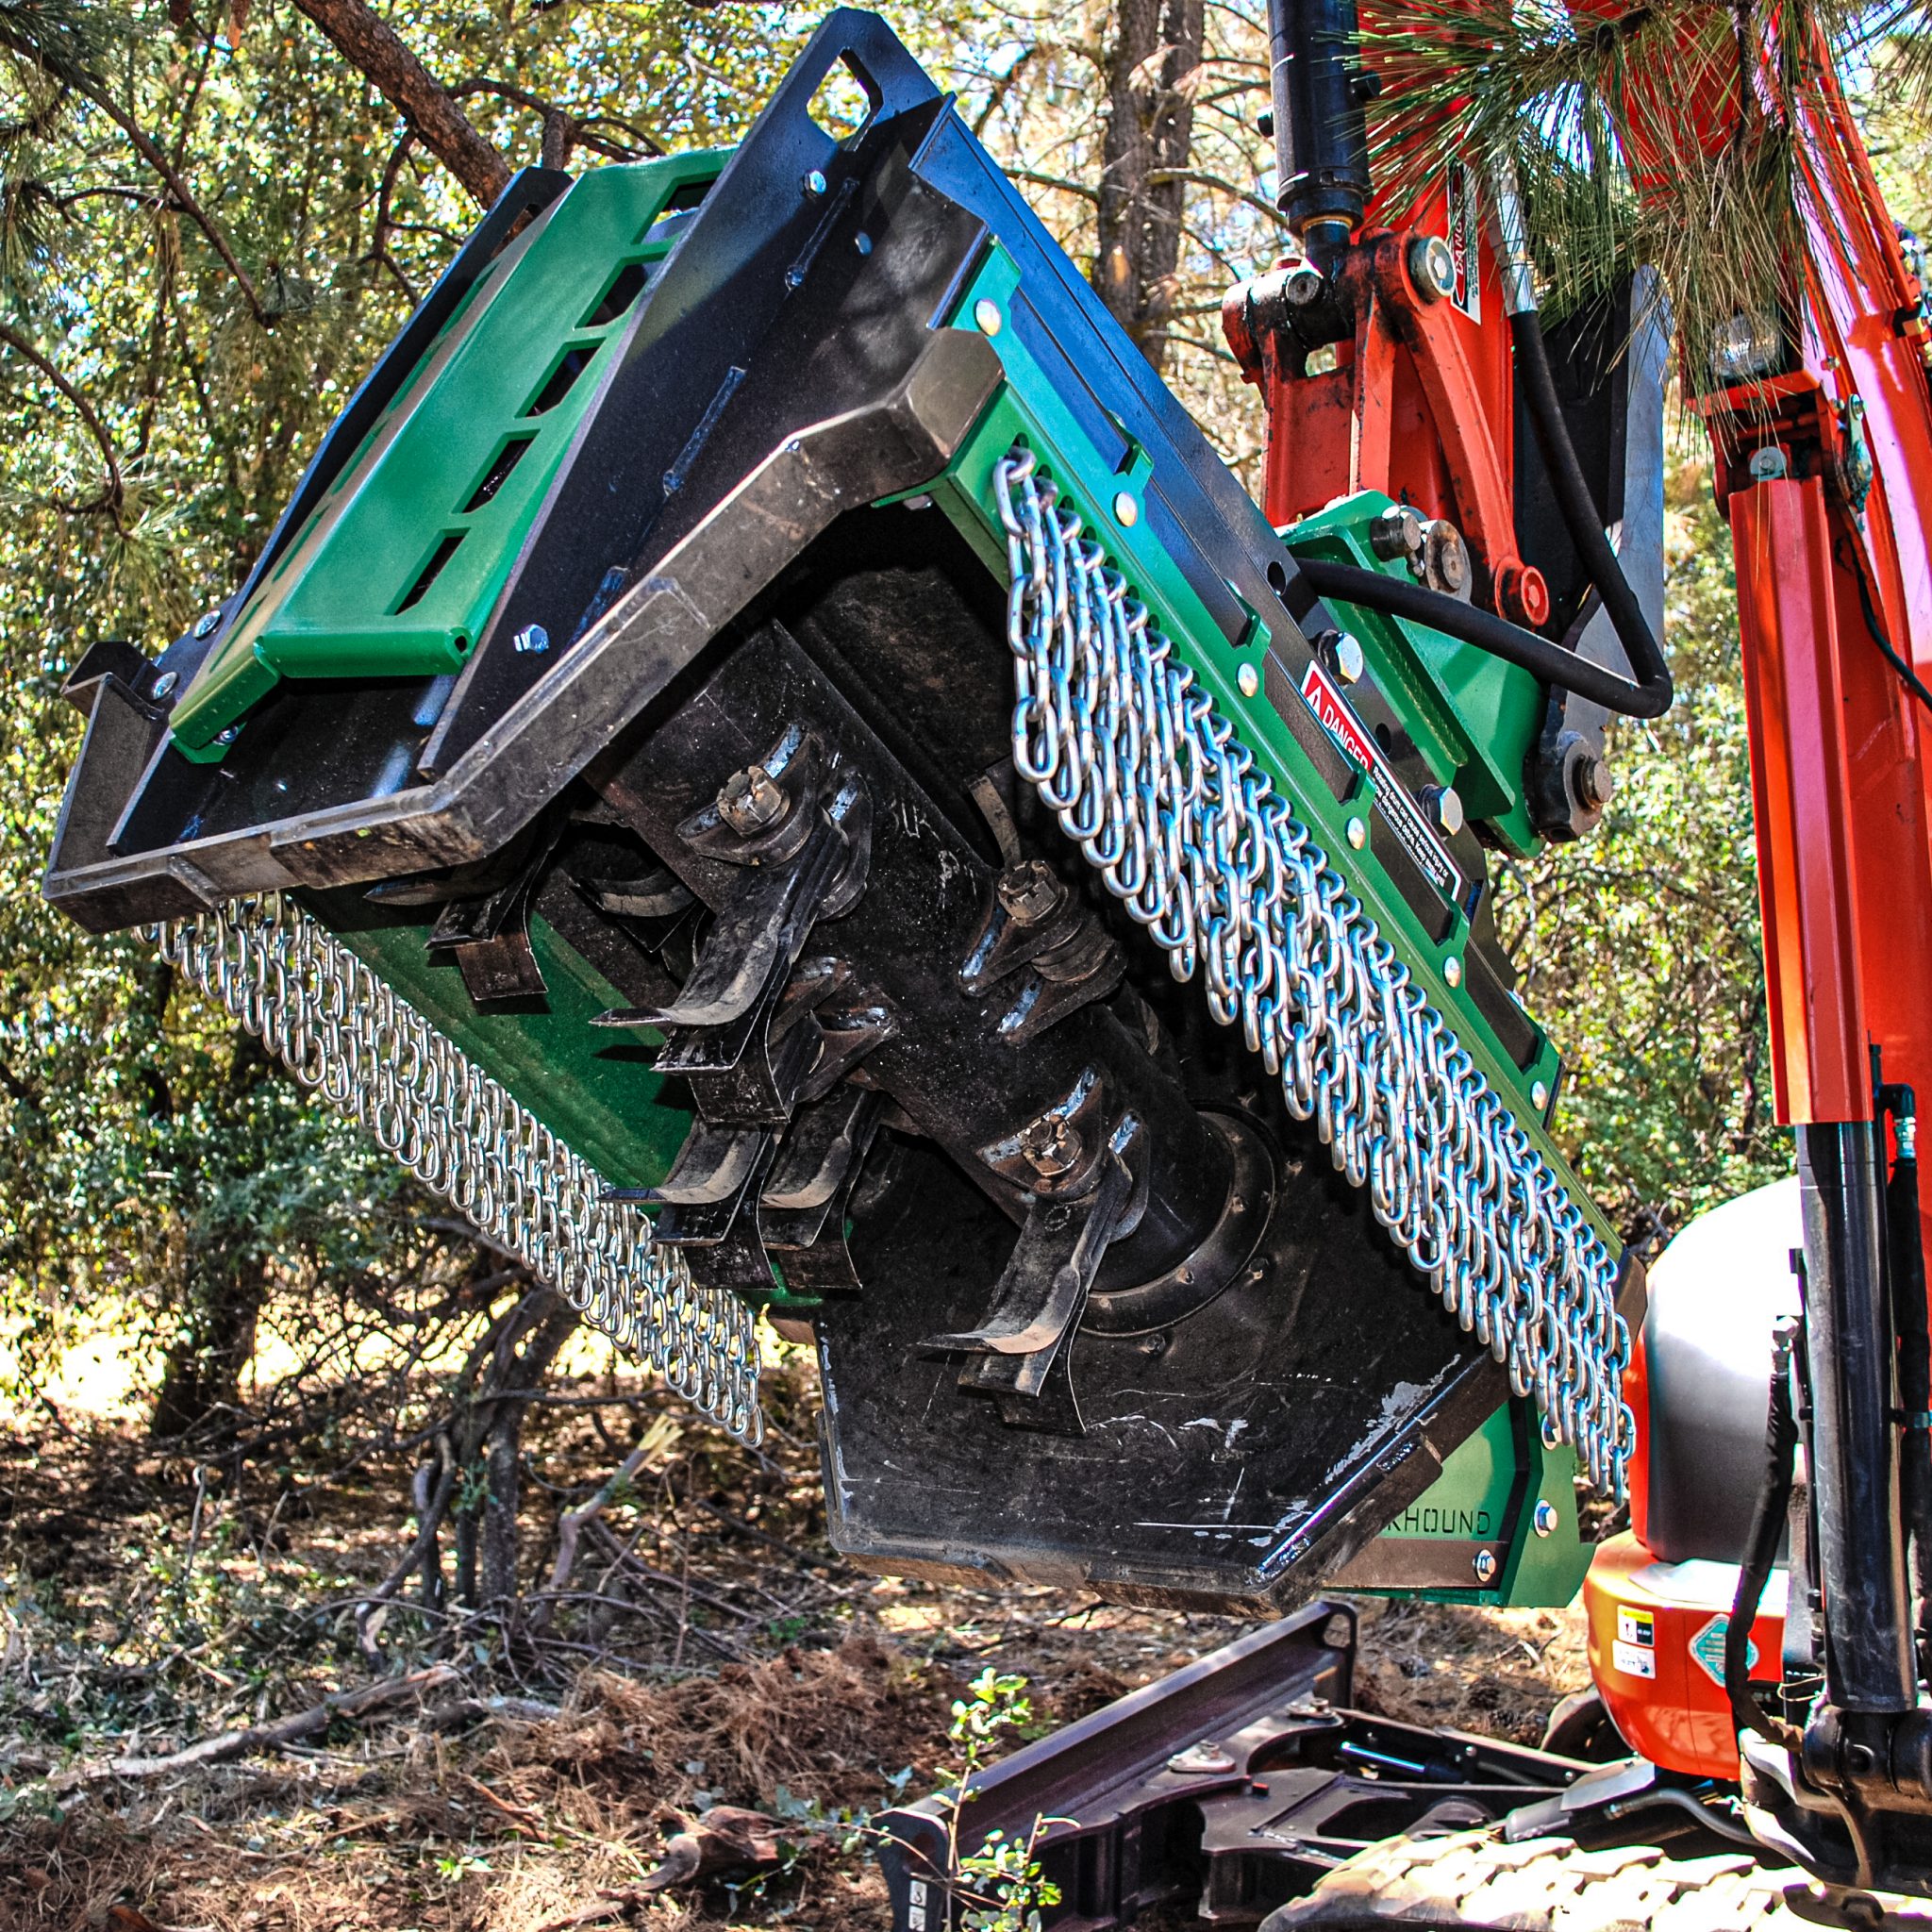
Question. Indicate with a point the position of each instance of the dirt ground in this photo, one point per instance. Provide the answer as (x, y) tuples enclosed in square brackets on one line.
[(534, 1779)]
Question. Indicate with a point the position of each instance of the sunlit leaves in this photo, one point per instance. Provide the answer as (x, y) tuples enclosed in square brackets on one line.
[(1640, 946)]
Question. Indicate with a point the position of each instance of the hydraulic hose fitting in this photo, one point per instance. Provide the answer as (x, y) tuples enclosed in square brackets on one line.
[(1513, 260)]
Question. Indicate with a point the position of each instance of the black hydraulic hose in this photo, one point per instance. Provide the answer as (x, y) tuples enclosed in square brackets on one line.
[(1761, 1553), (1650, 694), (1551, 662), (1908, 1261), (1579, 513), (1684, 1801)]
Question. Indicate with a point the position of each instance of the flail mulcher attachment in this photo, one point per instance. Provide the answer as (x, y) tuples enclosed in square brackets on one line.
[(769, 761)]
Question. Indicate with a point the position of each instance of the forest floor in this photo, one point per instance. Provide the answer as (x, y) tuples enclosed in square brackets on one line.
[(529, 1779)]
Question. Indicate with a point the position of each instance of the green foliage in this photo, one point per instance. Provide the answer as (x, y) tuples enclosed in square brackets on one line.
[(1682, 135), (992, 1704), (1000, 1886), (209, 227), (1582, 113), (1640, 946)]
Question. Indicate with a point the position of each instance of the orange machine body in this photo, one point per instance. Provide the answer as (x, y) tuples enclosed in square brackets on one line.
[(1656, 1635)]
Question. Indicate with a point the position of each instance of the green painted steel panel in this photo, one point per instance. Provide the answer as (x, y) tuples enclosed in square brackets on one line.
[(400, 567), (1027, 406), (1471, 1500), (1471, 714), (591, 1086)]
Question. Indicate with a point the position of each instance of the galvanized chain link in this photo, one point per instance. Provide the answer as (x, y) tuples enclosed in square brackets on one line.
[(1187, 830), (344, 1032)]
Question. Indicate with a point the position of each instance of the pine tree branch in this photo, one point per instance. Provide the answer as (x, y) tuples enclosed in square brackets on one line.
[(371, 46), (114, 490), (183, 199), (1063, 184)]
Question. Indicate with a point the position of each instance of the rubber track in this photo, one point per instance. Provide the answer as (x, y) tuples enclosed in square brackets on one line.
[(1474, 1882)]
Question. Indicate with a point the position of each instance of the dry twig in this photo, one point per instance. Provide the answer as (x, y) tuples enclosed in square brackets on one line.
[(283, 1730)]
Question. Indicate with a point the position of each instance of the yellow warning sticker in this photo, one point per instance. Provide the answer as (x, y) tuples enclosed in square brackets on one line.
[(1636, 1626)]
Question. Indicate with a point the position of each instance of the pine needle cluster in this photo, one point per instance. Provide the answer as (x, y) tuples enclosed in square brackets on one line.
[(1679, 135)]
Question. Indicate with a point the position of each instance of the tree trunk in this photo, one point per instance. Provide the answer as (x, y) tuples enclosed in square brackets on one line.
[(489, 1445), (1149, 140), (215, 1343), (371, 46), (225, 1278)]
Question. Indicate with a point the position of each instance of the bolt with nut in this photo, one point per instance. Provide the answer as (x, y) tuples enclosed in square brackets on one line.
[(751, 802), (1446, 565), (1444, 805), (1594, 782), (1397, 533), (1050, 1146), (1028, 892)]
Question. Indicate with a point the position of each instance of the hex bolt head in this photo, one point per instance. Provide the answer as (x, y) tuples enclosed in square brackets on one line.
[(1051, 1147), (1338, 1633), (1029, 892), (1768, 464), (1432, 266), (205, 624), (1445, 807), (532, 640), (165, 683), (1596, 782), (1396, 533), (751, 801), (815, 185), (1484, 1567), (1304, 287), (1349, 661), (1545, 1517)]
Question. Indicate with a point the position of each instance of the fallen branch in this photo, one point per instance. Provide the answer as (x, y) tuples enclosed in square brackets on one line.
[(271, 1736), (683, 1585), (459, 1711), (419, 1554), (572, 1523)]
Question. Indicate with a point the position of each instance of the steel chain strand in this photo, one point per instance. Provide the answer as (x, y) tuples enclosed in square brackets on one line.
[(1183, 826), (346, 1033)]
